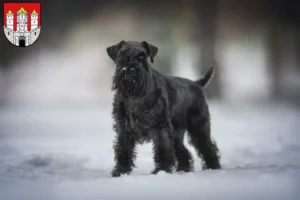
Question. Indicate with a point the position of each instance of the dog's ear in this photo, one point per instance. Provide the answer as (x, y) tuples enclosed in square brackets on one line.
[(112, 51), (151, 50)]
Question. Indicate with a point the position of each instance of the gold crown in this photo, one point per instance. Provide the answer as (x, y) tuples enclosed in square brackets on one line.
[(22, 10)]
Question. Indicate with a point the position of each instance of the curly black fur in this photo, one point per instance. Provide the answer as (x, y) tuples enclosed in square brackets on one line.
[(150, 106)]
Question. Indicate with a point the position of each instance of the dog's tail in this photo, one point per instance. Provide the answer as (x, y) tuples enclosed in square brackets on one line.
[(204, 81)]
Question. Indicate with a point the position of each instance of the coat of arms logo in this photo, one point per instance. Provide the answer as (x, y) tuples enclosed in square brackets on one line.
[(22, 22)]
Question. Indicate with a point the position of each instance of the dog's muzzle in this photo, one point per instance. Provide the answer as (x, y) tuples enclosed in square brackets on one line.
[(129, 74)]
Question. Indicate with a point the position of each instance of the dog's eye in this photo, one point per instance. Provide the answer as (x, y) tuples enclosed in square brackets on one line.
[(141, 56)]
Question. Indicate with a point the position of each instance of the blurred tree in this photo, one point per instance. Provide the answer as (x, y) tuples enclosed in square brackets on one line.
[(274, 59), (281, 15), (156, 26), (207, 26), (298, 49)]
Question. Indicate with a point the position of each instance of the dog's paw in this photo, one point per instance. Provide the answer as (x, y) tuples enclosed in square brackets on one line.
[(157, 170), (184, 169), (117, 172)]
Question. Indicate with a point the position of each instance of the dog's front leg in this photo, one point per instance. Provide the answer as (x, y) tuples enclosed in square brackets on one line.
[(163, 148), (124, 148)]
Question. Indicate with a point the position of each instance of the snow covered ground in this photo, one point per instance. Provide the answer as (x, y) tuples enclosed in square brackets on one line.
[(67, 154)]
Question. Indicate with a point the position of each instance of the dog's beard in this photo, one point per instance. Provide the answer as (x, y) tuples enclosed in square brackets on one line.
[(135, 86)]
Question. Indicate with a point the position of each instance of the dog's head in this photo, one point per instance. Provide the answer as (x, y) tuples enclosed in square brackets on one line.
[(133, 73)]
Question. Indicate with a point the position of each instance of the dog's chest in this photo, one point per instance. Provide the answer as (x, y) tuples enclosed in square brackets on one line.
[(139, 115)]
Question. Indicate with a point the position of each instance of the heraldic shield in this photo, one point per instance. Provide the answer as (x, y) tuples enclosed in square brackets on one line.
[(22, 22)]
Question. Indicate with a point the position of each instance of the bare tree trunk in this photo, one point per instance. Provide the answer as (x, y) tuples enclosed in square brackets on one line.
[(297, 57), (298, 50), (207, 22), (274, 60)]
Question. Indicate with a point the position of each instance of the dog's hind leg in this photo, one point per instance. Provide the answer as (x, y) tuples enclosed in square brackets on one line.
[(200, 138), (184, 157)]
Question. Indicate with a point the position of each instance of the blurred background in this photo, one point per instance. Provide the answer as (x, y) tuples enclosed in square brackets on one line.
[(60, 87), (255, 46)]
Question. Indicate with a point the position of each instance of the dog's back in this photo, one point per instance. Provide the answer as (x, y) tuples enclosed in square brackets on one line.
[(185, 97)]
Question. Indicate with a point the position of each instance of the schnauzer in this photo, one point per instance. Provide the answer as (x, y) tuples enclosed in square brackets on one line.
[(150, 106)]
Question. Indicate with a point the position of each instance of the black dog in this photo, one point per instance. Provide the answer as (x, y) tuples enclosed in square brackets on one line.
[(150, 106)]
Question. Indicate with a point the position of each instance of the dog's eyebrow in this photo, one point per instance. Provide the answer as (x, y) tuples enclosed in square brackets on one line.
[(130, 52)]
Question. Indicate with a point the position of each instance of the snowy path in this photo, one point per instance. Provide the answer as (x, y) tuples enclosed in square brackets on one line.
[(67, 154)]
